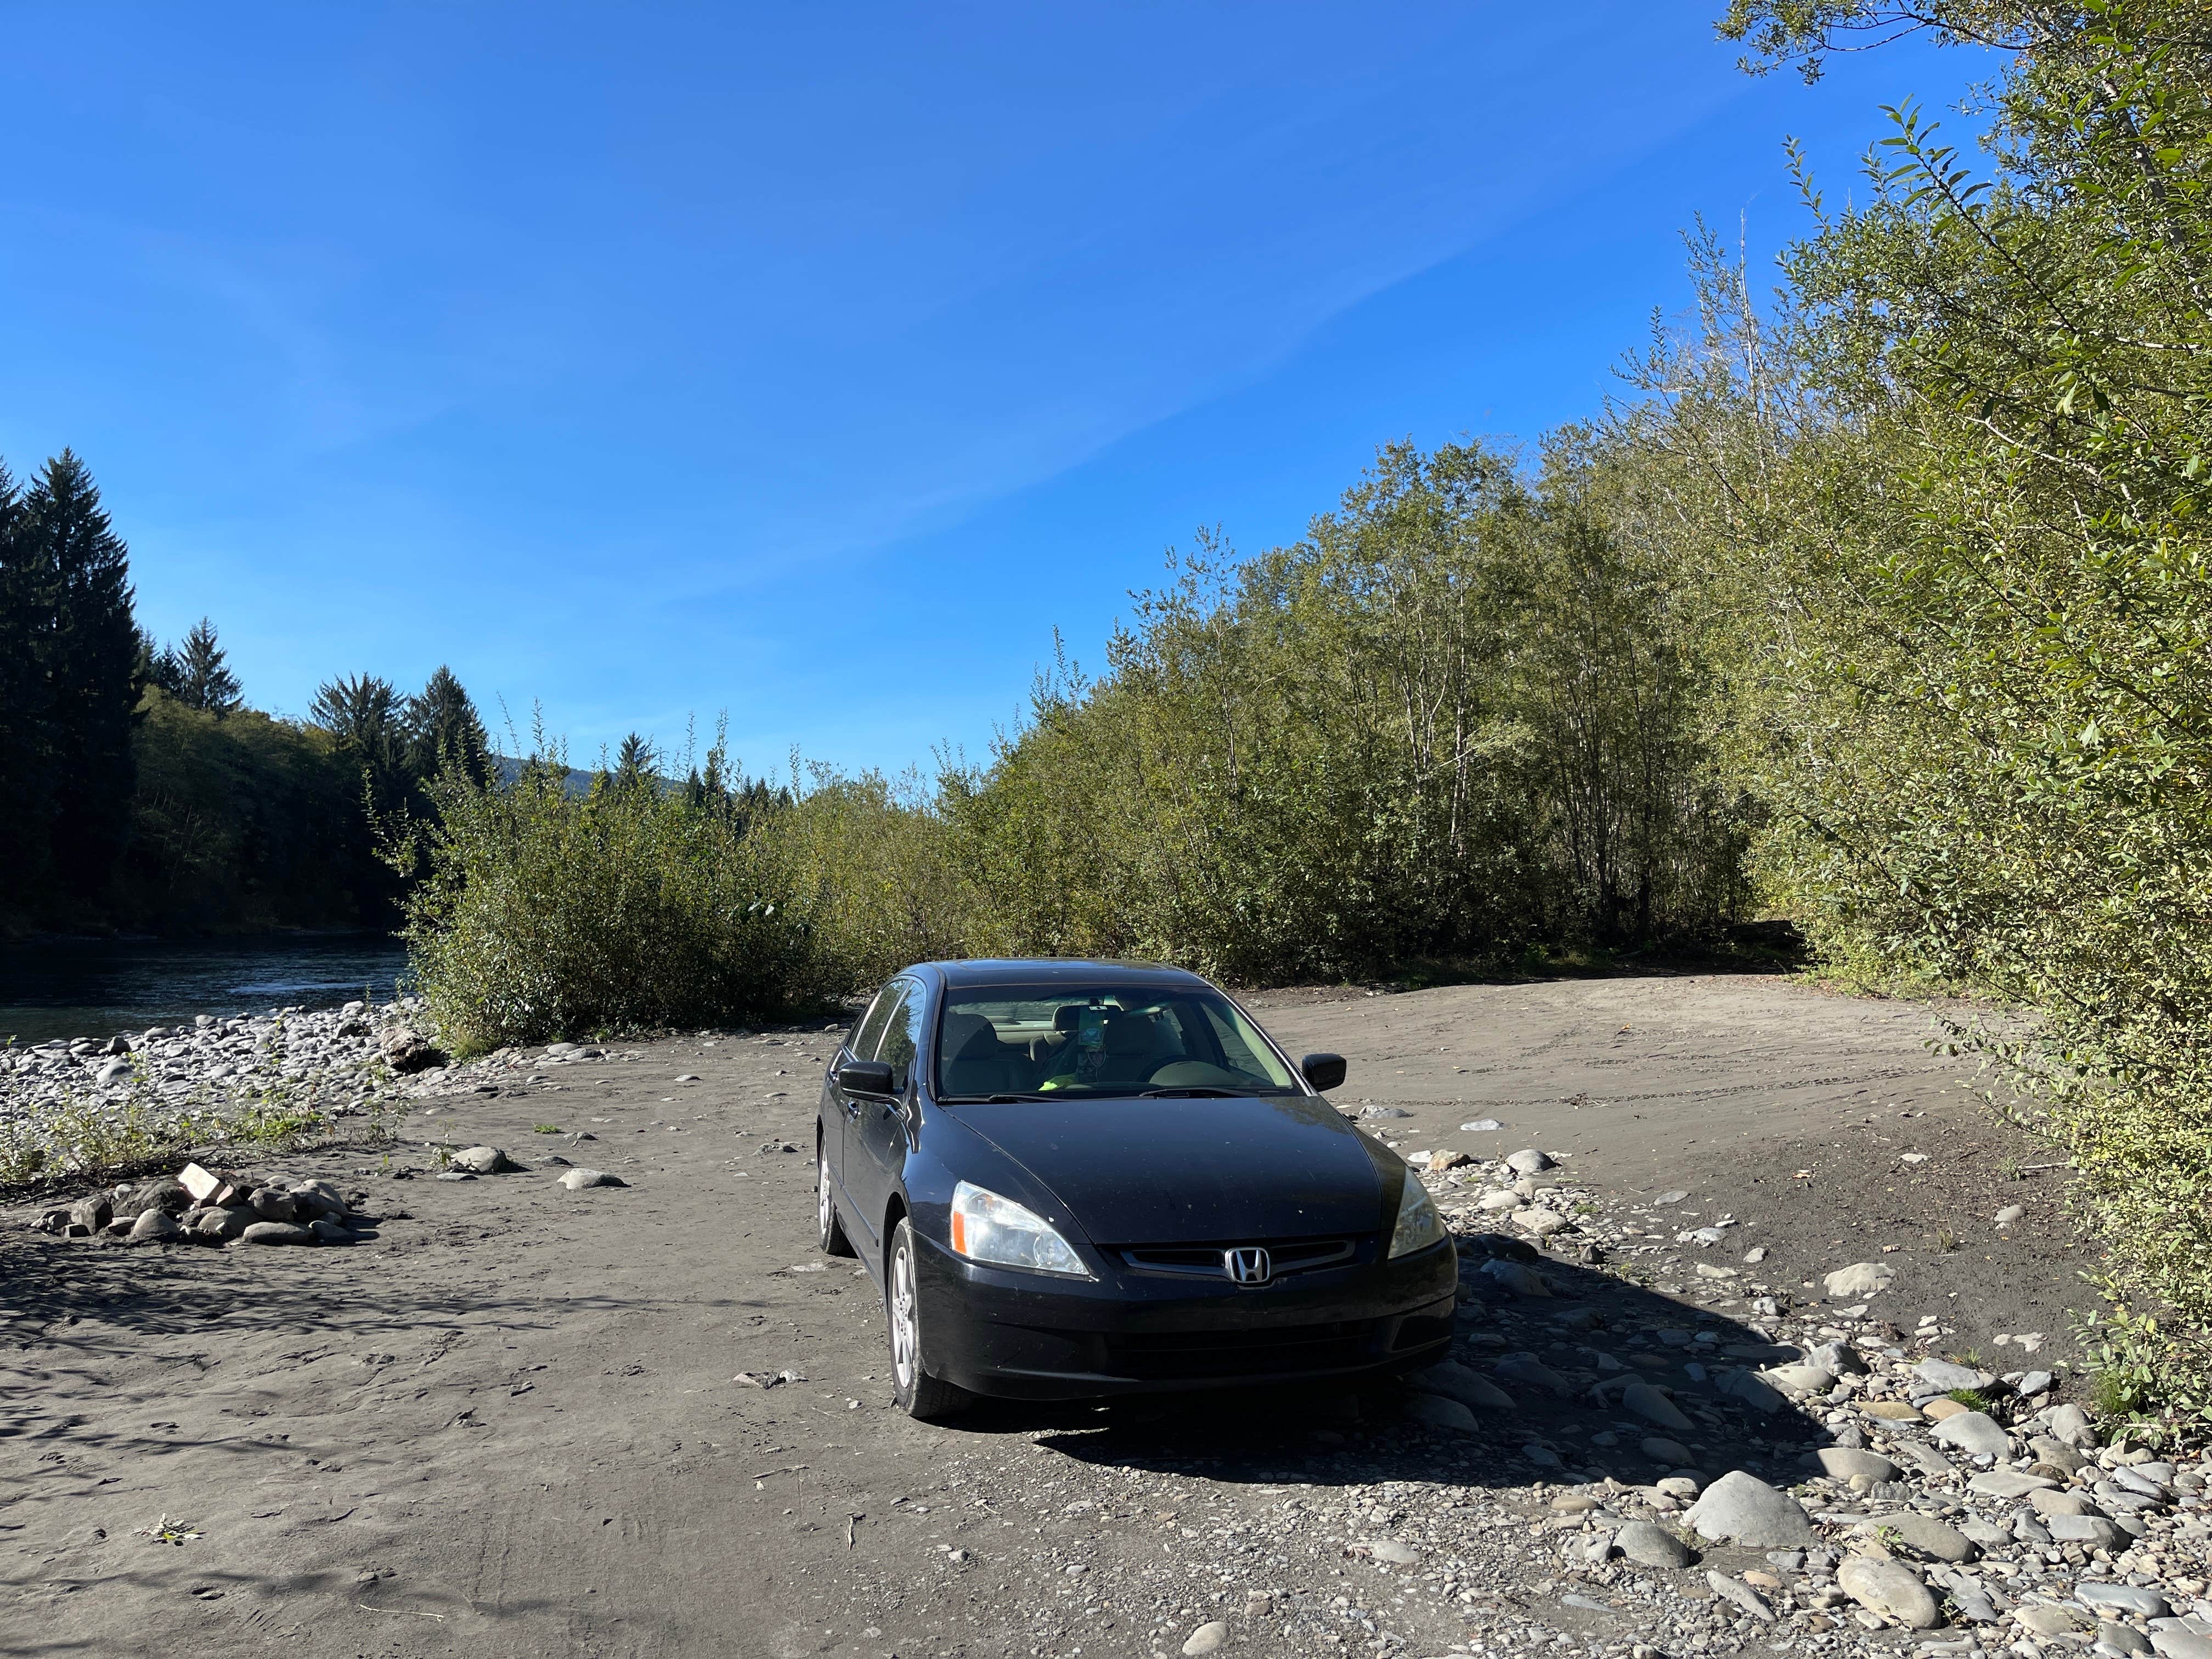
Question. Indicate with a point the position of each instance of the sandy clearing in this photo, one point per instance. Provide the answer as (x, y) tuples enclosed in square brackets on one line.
[(508, 1425)]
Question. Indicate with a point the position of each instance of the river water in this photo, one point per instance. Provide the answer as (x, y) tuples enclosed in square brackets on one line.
[(96, 987)]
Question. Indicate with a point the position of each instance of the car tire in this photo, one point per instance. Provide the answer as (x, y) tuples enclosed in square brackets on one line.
[(830, 1228), (920, 1396)]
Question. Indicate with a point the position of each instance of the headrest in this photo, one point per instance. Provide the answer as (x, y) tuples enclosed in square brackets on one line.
[(1131, 1034), (969, 1036)]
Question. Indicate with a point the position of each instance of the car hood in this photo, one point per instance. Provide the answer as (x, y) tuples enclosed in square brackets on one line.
[(1187, 1170)]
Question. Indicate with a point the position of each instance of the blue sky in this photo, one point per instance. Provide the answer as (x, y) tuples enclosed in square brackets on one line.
[(812, 364)]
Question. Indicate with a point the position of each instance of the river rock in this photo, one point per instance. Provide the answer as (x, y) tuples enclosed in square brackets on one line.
[(92, 1214), (1928, 1535), (329, 1231), (2070, 1424), (2010, 1213), (1975, 1433), (2059, 1501), (1890, 1588), (1653, 1407), (2171, 1640), (1533, 1373), (1521, 1281), (1736, 1590), (1541, 1222), (1439, 1412), (1206, 1638), (2057, 1454), (274, 1204), (1758, 1395), (2006, 1483), (276, 1232), (156, 1226), (2048, 1619), (1660, 1449), (1741, 1509), (1651, 1545), (484, 1160), (2092, 1530), (1456, 1382), (1861, 1279), (2121, 1598), (225, 1223), (577, 1179), (1802, 1379), (1529, 1161), (1390, 1550), (1844, 1463), (1943, 1375)]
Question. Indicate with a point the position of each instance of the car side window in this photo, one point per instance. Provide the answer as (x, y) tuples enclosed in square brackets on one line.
[(901, 1036), (870, 1030)]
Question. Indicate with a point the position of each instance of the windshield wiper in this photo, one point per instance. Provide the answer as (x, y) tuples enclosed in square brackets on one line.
[(1195, 1091), (989, 1100)]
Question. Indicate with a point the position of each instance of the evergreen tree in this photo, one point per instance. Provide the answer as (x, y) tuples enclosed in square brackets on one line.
[(633, 765), (445, 731), (25, 786), (363, 714), (79, 571), (196, 675)]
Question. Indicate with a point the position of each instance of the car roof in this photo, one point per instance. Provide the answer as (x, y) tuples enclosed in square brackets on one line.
[(1056, 970)]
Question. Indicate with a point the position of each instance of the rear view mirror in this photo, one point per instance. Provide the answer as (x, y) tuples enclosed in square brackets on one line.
[(865, 1076), (1324, 1072)]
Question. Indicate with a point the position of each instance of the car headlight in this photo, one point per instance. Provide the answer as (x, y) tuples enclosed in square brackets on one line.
[(1419, 1225), (988, 1228)]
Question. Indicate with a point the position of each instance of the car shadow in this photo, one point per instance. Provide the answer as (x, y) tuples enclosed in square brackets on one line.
[(1590, 1335)]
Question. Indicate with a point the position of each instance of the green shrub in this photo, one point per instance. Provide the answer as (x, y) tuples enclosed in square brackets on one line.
[(541, 911)]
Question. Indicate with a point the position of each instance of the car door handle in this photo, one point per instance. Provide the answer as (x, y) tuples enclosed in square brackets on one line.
[(851, 1108)]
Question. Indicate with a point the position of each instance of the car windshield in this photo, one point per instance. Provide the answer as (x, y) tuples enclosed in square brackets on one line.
[(1052, 1041)]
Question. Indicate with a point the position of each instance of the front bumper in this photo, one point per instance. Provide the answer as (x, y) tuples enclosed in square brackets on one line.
[(1028, 1336)]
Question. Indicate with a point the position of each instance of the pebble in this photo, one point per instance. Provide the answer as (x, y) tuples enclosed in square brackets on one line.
[(2010, 1213), (1390, 1550)]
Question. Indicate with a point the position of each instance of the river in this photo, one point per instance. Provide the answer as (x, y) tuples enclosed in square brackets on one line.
[(96, 987)]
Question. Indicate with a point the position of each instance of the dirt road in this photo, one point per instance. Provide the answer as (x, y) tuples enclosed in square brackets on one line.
[(507, 1424)]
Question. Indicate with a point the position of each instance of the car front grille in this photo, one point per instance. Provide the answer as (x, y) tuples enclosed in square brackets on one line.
[(1282, 1351), (1295, 1256)]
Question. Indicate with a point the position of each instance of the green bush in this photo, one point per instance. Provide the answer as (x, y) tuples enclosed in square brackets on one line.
[(1948, 505), (541, 911)]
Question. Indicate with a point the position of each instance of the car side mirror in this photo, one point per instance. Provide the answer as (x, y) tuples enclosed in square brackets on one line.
[(1324, 1072), (865, 1077)]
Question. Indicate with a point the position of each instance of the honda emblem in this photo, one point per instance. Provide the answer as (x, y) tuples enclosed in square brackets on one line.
[(1248, 1265)]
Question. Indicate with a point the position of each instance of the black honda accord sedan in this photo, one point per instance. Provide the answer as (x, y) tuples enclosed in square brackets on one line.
[(1073, 1179)]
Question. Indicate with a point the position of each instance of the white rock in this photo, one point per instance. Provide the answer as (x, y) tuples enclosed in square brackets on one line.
[(1529, 1161), (1542, 1223), (1741, 1509), (1975, 1433), (1206, 1638), (1860, 1278), (577, 1180), (2010, 1213), (1390, 1550), (1890, 1588)]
